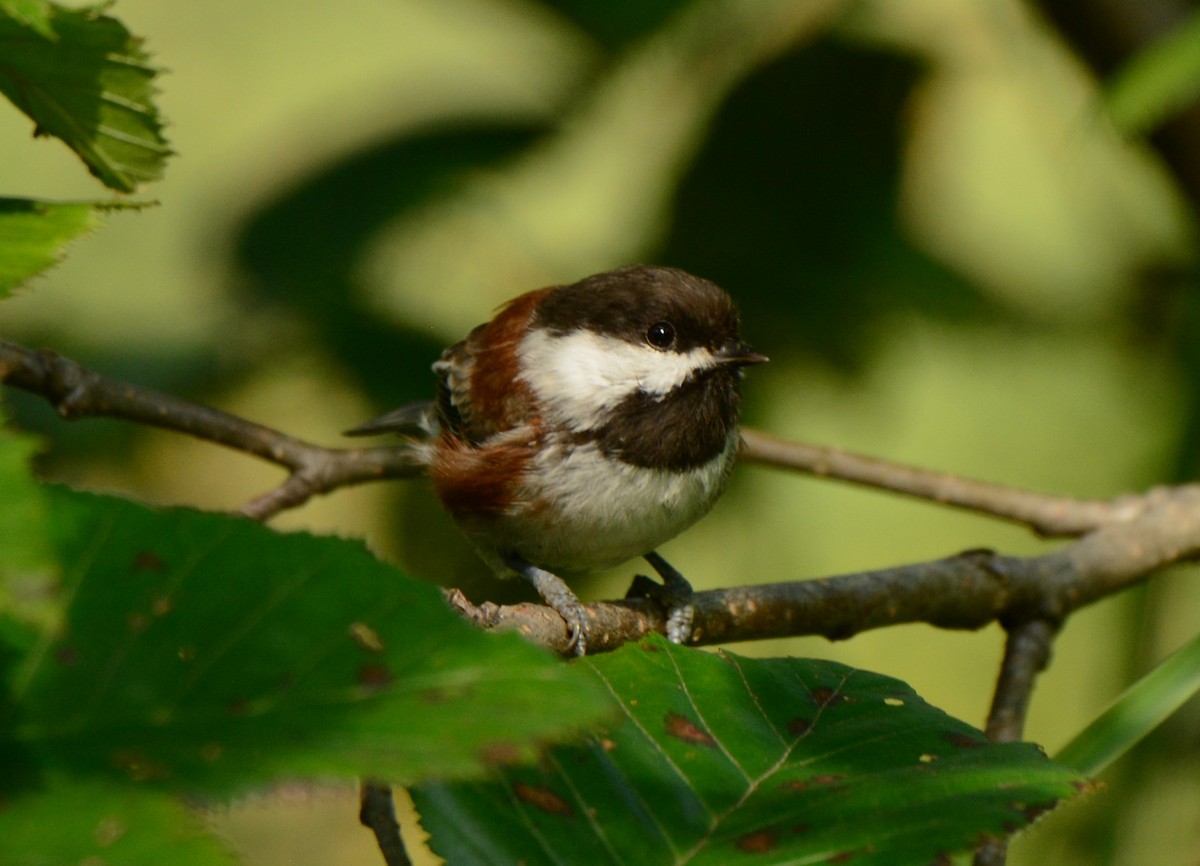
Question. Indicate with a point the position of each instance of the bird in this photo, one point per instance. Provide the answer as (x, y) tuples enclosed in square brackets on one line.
[(583, 426)]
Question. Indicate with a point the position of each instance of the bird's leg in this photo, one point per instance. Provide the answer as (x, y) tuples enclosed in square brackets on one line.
[(559, 596), (675, 595)]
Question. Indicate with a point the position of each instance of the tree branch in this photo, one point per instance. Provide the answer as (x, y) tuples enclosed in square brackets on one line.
[(1026, 654), (77, 392), (966, 591), (378, 813), (1123, 541), (1048, 516)]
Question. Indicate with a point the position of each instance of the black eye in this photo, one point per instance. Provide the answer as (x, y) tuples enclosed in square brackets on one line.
[(660, 335)]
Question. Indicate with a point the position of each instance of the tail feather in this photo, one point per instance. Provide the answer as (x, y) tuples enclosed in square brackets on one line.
[(413, 419)]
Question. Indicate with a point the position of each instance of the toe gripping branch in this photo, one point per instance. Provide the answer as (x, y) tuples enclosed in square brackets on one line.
[(674, 594), (559, 596)]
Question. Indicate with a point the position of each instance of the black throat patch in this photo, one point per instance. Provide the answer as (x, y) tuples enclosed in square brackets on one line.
[(682, 430)]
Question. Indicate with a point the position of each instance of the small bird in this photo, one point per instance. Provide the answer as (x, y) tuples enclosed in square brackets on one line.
[(585, 425)]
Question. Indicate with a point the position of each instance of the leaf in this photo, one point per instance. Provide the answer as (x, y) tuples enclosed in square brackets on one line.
[(1142, 708), (206, 652), (34, 233), (34, 14), (90, 821), (1158, 82), (722, 759), (26, 563), (92, 87)]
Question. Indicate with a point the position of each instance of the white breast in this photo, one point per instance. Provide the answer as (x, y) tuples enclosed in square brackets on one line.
[(597, 512)]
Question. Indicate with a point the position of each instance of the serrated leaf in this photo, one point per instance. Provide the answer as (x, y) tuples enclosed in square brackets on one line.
[(34, 14), (89, 821), (33, 235), (93, 87), (206, 652), (723, 760)]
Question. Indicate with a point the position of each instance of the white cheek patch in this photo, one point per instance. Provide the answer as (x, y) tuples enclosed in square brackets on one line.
[(583, 374)]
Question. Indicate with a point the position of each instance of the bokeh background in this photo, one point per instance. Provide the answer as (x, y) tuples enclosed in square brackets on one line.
[(950, 251)]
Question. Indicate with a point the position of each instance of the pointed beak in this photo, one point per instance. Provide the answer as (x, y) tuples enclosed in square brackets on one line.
[(740, 355)]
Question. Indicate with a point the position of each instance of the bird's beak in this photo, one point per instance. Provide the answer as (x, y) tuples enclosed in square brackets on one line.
[(740, 355)]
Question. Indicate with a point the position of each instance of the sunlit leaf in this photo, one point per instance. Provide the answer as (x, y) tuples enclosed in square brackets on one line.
[(721, 759), (33, 235), (206, 652), (93, 87), (34, 14)]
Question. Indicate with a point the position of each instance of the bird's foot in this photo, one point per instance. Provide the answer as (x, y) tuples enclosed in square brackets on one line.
[(558, 596), (674, 594)]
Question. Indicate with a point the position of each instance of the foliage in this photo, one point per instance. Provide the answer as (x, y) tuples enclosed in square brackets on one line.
[(152, 656), (721, 759), (81, 77), (201, 653)]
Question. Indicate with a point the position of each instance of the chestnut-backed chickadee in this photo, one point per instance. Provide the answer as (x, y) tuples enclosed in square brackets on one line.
[(585, 425)]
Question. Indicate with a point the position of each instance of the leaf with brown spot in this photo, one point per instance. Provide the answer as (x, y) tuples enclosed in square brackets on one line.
[(708, 767), (374, 676), (247, 646), (146, 560), (757, 841), (685, 729), (798, 726), (542, 799)]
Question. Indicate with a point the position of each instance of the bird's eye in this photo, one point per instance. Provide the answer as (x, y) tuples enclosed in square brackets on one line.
[(661, 335)]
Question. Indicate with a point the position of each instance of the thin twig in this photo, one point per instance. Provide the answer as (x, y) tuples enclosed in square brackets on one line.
[(77, 392), (378, 813), (1048, 516), (1026, 654)]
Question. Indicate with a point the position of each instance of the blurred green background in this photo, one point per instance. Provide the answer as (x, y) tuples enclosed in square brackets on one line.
[(951, 255)]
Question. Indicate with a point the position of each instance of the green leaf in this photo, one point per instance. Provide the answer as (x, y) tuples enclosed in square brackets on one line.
[(1143, 707), (34, 233), (92, 87), (723, 760), (26, 561), (1158, 82), (91, 821), (34, 14), (206, 652)]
